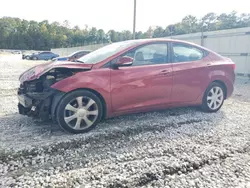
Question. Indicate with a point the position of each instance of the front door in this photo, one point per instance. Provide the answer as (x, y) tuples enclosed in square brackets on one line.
[(146, 83), (43, 55)]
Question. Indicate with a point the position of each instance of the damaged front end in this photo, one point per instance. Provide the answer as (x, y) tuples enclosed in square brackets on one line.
[(36, 96)]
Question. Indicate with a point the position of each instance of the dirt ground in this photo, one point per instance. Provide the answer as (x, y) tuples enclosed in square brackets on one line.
[(181, 147)]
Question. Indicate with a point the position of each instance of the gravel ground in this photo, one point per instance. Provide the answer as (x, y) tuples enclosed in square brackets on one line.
[(180, 147)]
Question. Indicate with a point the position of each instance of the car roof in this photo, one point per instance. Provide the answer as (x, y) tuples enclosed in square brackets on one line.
[(138, 41), (145, 41), (134, 43)]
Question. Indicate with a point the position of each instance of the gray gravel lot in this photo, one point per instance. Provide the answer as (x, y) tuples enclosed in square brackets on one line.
[(181, 147)]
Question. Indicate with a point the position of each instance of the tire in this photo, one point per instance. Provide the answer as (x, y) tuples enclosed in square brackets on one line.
[(27, 57), (212, 102), (35, 58), (65, 112)]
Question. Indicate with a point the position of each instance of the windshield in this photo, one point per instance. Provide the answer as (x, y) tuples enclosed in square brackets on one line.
[(105, 52), (72, 54)]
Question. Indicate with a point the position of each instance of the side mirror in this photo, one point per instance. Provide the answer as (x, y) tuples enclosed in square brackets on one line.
[(124, 61)]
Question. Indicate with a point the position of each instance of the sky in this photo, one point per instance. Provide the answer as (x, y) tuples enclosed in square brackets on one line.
[(117, 14)]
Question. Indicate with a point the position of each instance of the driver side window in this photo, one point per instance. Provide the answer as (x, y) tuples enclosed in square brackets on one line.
[(149, 54)]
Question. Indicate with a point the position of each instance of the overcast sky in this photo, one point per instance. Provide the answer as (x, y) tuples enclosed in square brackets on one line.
[(117, 14)]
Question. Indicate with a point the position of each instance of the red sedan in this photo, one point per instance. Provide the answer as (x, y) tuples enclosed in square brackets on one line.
[(126, 77)]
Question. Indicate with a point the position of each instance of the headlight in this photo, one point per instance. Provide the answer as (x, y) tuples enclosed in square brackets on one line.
[(27, 75)]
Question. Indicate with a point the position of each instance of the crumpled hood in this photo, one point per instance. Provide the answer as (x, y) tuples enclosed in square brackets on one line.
[(37, 71)]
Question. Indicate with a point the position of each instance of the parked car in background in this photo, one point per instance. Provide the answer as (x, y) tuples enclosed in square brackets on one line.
[(44, 56), (17, 52), (126, 77), (74, 56), (28, 54)]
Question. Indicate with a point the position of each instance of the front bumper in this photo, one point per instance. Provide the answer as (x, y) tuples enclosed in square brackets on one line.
[(25, 100), (35, 104)]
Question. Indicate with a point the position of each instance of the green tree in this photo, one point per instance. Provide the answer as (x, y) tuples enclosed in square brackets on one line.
[(158, 32), (101, 37), (189, 24), (208, 22), (113, 35), (227, 21)]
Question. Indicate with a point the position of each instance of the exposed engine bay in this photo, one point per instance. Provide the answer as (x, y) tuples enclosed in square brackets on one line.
[(36, 96)]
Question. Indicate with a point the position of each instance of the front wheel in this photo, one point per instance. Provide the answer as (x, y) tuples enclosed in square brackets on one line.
[(213, 98), (79, 111)]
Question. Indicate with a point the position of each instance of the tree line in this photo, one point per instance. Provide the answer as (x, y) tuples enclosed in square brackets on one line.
[(16, 33)]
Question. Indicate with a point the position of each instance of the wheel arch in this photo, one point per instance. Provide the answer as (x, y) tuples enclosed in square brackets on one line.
[(59, 97), (219, 81), (223, 84), (104, 104)]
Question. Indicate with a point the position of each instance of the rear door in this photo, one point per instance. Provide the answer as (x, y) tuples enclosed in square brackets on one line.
[(147, 83), (49, 55), (41, 55), (190, 72)]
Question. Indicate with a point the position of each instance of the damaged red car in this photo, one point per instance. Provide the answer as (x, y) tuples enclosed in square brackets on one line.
[(126, 77)]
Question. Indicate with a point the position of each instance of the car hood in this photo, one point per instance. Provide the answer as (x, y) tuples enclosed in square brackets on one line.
[(37, 71)]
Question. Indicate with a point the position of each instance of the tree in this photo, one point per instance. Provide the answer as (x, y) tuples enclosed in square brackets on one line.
[(139, 35), (127, 35), (244, 20), (158, 32), (101, 36), (208, 22), (149, 33), (113, 35), (92, 37), (66, 24), (189, 24), (227, 21)]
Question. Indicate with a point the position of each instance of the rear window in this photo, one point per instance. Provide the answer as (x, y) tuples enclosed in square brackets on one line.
[(186, 53)]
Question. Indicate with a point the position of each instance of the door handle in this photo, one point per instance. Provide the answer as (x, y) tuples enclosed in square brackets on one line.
[(164, 72)]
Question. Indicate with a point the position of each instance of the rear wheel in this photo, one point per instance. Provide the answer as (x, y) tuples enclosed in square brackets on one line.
[(213, 98), (79, 111)]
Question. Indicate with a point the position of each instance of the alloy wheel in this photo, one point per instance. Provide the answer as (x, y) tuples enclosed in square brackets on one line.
[(80, 113), (215, 98)]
